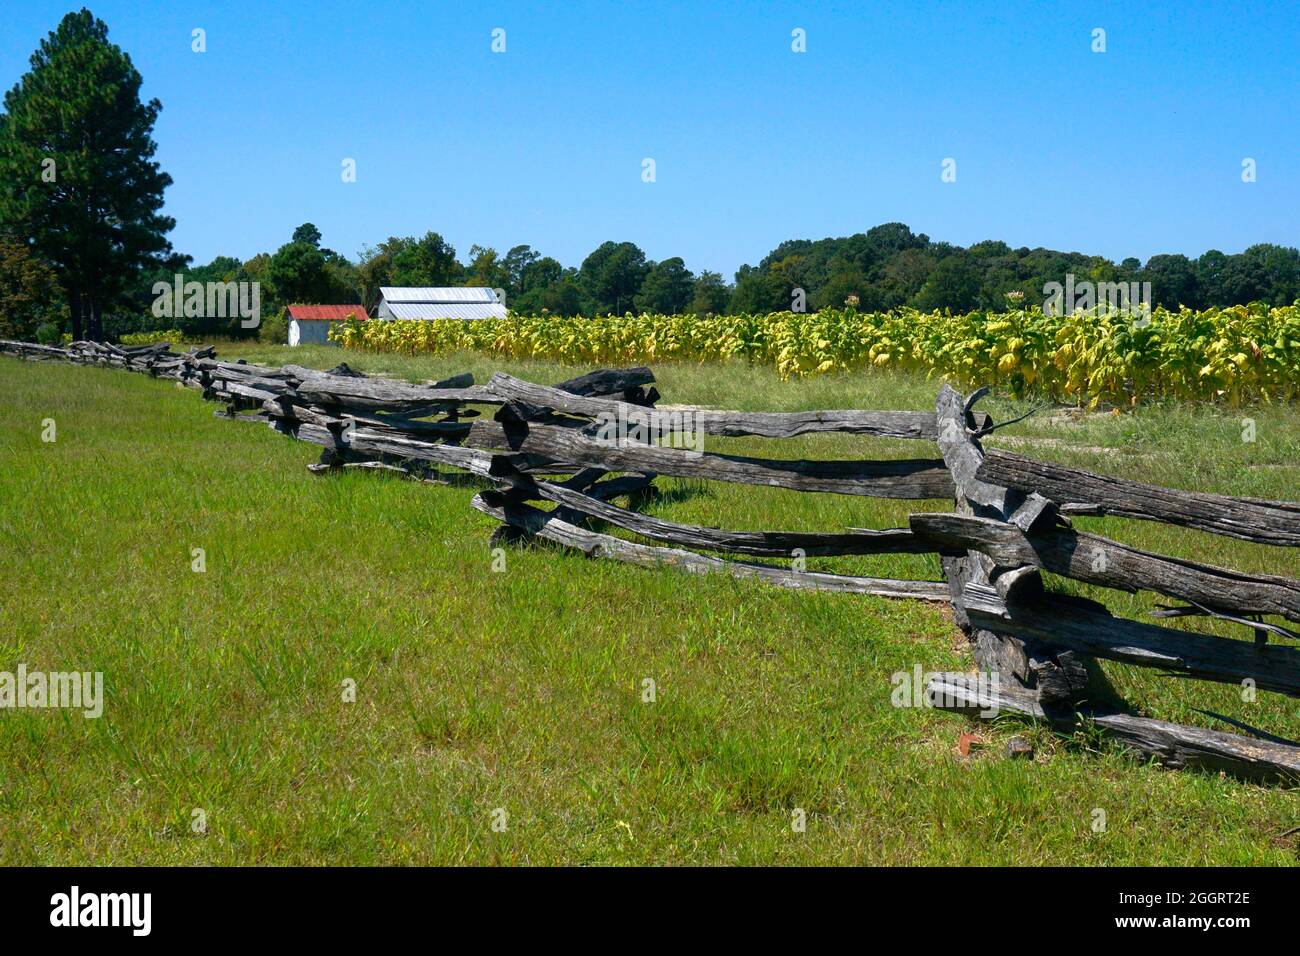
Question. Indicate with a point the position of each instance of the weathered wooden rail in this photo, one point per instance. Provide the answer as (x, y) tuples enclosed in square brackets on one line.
[(579, 445)]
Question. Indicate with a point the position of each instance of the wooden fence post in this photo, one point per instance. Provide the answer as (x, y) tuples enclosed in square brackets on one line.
[(1057, 678)]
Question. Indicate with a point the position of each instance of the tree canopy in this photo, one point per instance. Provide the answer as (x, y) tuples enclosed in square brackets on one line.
[(667, 287), (27, 287), (885, 268), (78, 181), (612, 276)]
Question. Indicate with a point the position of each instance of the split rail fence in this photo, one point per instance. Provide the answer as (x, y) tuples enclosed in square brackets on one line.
[(1012, 521)]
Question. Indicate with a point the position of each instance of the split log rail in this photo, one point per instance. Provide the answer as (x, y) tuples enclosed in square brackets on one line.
[(1011, 522)]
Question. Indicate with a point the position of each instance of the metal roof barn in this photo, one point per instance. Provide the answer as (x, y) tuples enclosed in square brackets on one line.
[(431, 302), (442, 310), (310, 324), (438, 294)]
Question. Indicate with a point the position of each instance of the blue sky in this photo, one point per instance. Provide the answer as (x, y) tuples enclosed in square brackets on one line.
[(1130, 152)]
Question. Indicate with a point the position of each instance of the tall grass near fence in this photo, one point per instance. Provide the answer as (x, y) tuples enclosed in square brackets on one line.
[(522, 689)]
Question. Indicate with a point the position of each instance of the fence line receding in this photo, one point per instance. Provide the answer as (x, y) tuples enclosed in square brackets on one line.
[(1011, 521)]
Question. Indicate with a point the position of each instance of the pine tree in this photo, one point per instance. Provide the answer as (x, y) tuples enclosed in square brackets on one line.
[(77, 177)]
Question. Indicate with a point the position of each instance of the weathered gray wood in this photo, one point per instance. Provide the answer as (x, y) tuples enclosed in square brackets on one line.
[(1097, 560), (377, 466), (620, 485), (1261, 628), (911, 478), (447, 430), (712, 422), (383, 394), (226, 387), (503, 431), (369, 442), (1176, 746), (545, 525), (243, 370), (1033, 510), (284, 408), (25, 348), (587, 481), (1019, 583), (146, 351), (236, 416), (1088, 628), (346, 370), (963, 456), (461, 380), (779, 544), (1080, 492), (607, 381), (321, 415), (995, 651)]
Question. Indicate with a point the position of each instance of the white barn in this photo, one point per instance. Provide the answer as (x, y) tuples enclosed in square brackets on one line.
[(310, 324), (429, 302)]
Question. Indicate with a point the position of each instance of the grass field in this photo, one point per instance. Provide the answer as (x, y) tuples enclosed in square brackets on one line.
[(523, 690)]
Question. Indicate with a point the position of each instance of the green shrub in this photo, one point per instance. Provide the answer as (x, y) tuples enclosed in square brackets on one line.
[(47, 333), (275, 330), (175, 336)]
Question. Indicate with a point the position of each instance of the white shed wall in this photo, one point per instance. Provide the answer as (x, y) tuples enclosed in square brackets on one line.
[(308, 332)]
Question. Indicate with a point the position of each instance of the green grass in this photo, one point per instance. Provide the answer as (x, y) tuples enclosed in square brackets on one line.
[(522, 690)]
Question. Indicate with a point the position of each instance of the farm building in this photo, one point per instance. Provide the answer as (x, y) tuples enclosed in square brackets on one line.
[(416, 302), (309, 324)]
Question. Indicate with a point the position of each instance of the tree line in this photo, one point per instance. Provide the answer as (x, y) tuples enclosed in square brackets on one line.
[(887, 267), (83, 241)]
